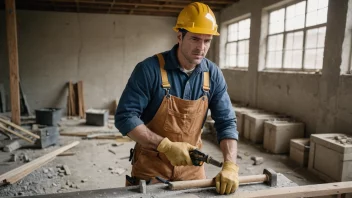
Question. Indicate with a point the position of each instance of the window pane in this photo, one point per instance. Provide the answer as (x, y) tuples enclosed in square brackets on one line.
[(288, 59), (241, 60), (319, 59), (293, 50), (309, 59), (312, 5), (322, 16), (311, 38), (297, 59), (321, 37), (298, 40), (232, 32), (277, 19), (323, 4), (317, 12), (244, 29), (295, 15), (231, 51)]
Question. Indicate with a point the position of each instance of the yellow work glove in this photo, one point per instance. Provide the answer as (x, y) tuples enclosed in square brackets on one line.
[(176, 152), (227, 180)]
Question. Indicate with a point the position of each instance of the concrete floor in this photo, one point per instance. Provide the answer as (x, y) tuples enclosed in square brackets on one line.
[(92, 161)]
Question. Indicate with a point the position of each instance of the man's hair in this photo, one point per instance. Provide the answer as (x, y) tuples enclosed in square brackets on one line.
[(183, 31)]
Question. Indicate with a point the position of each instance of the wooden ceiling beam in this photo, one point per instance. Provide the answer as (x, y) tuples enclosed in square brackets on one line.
[(204, 1), (83, 7), (127, 4)]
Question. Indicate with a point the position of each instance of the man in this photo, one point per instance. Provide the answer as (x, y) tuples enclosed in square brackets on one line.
[(166, 100)]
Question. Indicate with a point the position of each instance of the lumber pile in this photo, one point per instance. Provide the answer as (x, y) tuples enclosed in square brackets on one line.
[(21, 132), (75, 100), (17, 174)]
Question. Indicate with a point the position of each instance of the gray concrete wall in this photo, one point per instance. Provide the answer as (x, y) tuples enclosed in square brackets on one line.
[(99, 49), (322, 101)]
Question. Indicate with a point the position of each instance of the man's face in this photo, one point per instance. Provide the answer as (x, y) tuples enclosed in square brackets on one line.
[(194, 47)]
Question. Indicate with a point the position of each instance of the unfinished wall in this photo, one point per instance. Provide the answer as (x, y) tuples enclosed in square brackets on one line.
[(99, 49), (304, 96)]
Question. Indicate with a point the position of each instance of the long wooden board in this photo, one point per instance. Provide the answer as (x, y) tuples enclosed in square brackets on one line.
[(35, 163), (19, 128), (11, 26), (299, 191)]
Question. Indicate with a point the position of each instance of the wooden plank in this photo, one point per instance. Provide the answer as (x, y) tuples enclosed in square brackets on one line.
[(19, 128), (299, 191), (35, 163), (15, 133), (82, 100), (79, 93), (23, 174), (11, 26)]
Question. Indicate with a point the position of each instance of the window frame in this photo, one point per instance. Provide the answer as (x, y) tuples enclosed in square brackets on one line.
[(237, 41), (284, 33)]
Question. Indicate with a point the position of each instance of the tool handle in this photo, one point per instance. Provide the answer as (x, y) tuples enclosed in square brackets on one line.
[(179, 185)]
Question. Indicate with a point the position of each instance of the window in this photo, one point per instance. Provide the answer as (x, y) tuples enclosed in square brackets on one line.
[(237, 45), (296, 36)]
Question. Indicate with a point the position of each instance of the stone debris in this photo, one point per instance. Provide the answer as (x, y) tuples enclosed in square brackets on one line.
[(13, 158), (84, 180), (118, 171), (257, 160), (45, 170), (67, 170), (343, 139), (110, 168)]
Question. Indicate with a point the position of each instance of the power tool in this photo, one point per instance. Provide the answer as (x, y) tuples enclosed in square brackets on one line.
[(198, 158)]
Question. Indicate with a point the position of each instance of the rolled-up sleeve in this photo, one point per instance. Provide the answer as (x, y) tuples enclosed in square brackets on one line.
[(221, 109), (133, 100)]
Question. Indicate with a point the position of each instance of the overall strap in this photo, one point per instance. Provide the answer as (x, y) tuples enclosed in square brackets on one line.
[(164, 79), (206, 82)]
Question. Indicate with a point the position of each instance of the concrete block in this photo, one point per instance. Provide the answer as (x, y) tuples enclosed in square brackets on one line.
[(97, 117), (254, 125), (277, 135), (299, 151), (240, 112), (330, 158), (48, 116)]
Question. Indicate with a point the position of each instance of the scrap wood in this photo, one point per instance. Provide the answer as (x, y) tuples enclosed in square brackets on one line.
[(19, 176), (15, 133), (19, 128), (67, 154), (22, 171), (79, 134)]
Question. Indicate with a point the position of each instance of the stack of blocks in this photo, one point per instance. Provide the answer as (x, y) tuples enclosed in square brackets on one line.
[(330, 156), (254, 125), (277, 135)]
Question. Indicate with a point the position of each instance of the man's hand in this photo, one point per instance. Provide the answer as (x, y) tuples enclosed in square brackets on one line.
[(227, 180), (176, 152)]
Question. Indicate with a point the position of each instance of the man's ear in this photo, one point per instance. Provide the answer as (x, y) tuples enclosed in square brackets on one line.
[(179, 37)]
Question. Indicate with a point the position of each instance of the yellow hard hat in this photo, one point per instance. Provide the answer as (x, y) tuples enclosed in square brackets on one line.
[(197, 18)]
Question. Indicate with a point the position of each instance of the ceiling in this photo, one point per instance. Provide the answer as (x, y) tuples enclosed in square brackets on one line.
[(132, 7)]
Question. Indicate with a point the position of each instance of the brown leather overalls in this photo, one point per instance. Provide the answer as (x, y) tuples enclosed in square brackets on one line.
[(180, 121)]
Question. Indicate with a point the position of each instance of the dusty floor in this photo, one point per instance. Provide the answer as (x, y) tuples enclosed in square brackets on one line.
[(94, 162)]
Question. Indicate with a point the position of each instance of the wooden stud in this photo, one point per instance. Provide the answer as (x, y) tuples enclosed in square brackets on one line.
[(11, 26)]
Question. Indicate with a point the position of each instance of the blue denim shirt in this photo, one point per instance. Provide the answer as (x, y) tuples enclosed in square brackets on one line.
[(143, 94)]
